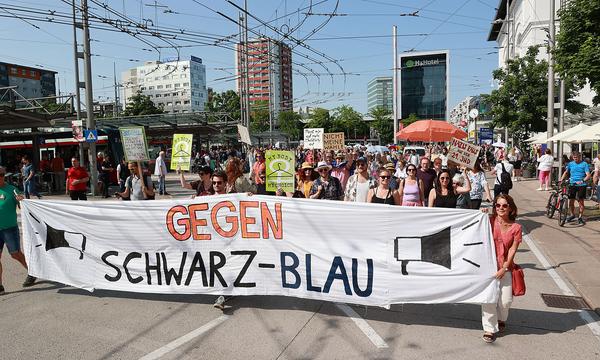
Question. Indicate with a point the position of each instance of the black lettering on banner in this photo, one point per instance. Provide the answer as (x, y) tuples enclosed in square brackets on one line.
[(289, 268), (156, 268), (128, 258), (197, 265), (309, 285), (336, 264), (238, 281), (214, 268), (369, 289), (104, 259), (170, 272)]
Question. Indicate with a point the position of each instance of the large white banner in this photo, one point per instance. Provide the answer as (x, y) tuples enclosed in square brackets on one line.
[(262, 245)]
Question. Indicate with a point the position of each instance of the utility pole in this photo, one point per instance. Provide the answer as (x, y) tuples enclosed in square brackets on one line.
[(271, 94), (247, 73), (395, 80), (507, 22), (89, 99), (78, 85), (550, 117), (115, 107)]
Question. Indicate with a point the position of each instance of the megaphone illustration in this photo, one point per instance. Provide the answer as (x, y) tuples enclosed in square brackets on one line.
[(56, 238), (434, 248)]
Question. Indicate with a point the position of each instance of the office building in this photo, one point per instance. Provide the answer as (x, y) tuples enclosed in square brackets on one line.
[(424, 85), (30, 82), (177, 86), (269, 73), (380, 93)]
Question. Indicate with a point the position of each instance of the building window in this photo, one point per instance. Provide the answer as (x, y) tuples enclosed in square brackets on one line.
[(23, 72), (32, 72), (177, 85), (177, 102), (143, 88), (150, 87), (186, 102), (159, 86), (175, 94), (169, 104), (158, 95), (157, 78), (186, 84), (183, 76), (168, 86)]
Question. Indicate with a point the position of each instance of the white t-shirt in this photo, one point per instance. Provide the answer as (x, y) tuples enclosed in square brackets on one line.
[(546, 161), (362, 190), (498, 168), (596, 163)]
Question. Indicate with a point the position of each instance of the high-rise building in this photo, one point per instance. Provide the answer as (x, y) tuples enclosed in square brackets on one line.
[(269, 73), (30, 82), (380, 93), (177, 86), (423, 85)]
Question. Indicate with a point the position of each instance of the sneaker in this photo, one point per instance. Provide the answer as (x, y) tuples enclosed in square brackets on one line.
[(2, 290), (539, 189), (220, 303), (581, 221), (29, 281), (571, 218), (166, 193)]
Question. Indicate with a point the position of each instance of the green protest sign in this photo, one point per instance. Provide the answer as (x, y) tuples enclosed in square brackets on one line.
[(280, 170)]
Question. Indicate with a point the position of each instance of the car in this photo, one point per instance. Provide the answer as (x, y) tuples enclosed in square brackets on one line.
[(420, 150)]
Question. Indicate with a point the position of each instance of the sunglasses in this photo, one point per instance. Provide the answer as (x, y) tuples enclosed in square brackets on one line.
[(361, 164), (444, 178), (217, 183), (411, 170), (501, 206), (384, 177), (322, 170)]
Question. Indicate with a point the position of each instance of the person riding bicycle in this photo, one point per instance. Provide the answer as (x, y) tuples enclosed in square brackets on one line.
[(578, 172)]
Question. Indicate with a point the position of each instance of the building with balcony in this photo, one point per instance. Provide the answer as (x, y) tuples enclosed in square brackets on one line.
[(380, 93)]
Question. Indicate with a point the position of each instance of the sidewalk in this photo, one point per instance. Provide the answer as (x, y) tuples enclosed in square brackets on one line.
[(573, 249)]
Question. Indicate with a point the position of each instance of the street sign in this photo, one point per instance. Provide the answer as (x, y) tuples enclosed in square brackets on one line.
[(486, 135), (90, 136)]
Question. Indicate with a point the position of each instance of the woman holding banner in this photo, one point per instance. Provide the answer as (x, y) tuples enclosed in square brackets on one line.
[(383, 193), (507, 237)]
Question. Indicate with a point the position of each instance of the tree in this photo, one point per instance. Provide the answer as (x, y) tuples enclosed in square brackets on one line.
[(410, 119), (578, 44), (227, 101), (382, 122), (289, 123), (320, 119), (140, 104), (520, 104), (259, 116)]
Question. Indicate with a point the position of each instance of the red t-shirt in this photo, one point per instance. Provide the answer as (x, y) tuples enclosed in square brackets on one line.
[(77, 173)]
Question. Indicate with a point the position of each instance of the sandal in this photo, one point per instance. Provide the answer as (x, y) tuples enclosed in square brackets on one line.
[(501, 326), (489, 338)]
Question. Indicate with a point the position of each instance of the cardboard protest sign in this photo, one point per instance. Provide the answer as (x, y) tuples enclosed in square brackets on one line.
[(134, 143), (280, 170), (463, 153), (313, 138), (334, 141), (244, 134), (181, 151)]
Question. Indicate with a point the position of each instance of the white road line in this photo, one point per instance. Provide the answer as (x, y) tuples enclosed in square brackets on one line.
[(158, 353), (363, 326), (587, 316)]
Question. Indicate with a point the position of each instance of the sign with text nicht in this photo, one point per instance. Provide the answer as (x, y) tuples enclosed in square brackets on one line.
[(280, 169), (181, 151), (334, 141), (313, 138), (134, 143), (463, 153)]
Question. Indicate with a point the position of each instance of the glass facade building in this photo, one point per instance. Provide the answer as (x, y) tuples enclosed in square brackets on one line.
[(380, 93), (424, 85)]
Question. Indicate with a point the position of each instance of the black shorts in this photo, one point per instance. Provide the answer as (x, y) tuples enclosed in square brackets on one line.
[(518, 164), (577, 192)]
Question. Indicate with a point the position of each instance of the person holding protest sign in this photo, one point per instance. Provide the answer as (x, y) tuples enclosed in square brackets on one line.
[(507, 236), (384, 194), (9, 230), (137, 186), (412, 189), (326, 186), (445, 194), (236, 181), (203, 186), (359, 184)]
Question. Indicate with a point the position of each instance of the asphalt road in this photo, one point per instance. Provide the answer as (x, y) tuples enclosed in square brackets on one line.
[(53, 321)]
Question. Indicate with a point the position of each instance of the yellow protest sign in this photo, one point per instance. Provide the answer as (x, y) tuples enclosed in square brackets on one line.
[(181, 152)]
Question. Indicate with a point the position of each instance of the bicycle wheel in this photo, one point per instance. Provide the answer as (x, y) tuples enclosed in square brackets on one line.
[(563, 210), (551, 206)]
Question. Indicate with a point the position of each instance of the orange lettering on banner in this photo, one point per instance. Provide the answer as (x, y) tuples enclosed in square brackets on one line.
[(185, 222), (268, 222), (195, 222), (245, 220), (233, 220)]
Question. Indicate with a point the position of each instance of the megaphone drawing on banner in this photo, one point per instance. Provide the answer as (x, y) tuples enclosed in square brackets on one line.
[(56, 238), (434, 248)]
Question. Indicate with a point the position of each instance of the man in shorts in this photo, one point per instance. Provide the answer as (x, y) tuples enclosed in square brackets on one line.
[(9, 231), (578, 172)]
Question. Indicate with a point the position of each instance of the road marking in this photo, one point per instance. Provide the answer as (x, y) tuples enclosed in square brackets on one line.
[(363, 326), (587, 316), (158, 353)]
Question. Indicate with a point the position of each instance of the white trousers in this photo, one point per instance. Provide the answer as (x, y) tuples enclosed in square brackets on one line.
[(492, 313)]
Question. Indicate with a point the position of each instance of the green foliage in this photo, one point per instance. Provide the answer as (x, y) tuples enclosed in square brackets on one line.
[(227, 101), (289, 123), (140, 104), (259, 116), (342, 119), (320, 118), (410, 119), (382, 122), (578, 44), (522, 99)]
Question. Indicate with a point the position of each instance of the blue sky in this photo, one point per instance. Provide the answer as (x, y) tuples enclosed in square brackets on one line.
[(358, 37)]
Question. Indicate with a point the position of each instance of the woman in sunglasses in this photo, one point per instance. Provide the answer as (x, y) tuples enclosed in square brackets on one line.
[(507, 237), (383, 193), (203, 186), (411, 189), (445, 193)]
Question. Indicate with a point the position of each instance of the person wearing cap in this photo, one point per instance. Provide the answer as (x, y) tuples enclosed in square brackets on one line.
[(360, 183), (305, 179), (326, 186), (341, 168), (394, 181)]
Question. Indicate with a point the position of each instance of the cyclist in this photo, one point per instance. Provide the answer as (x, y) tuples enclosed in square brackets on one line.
[(578, 172)]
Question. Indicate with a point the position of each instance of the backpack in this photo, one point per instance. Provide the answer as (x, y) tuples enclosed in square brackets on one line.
[(145, 179), (505, 179)]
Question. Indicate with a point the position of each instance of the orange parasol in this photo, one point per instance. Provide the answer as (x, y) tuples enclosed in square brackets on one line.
[(430, 131)]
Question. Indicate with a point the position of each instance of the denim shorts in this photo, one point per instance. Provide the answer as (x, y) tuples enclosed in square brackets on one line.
[(11, 238)]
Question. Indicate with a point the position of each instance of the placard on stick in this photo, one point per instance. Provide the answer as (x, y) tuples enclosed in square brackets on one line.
[(280, 170), (334, 141), (181, 152), (244, 134), (463, 153), (313, 138), (134, 143)]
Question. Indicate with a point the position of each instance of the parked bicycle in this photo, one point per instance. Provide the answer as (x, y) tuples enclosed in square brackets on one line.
[(559, 200)]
